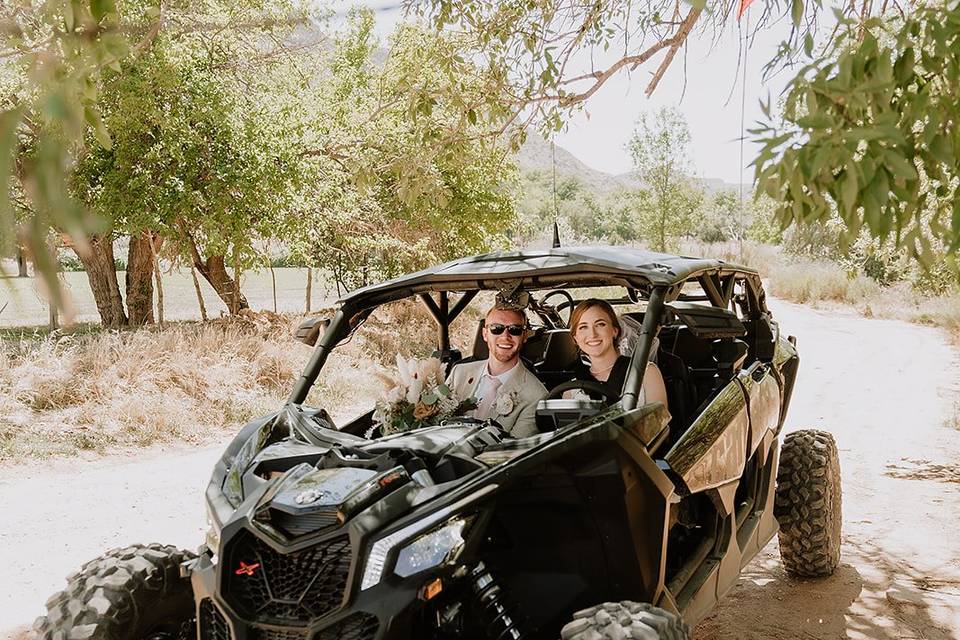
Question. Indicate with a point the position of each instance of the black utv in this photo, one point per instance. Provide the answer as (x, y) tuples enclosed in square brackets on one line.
[(617, 520)]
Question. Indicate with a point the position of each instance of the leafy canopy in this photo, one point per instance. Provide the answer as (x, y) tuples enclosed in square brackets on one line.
[(871, 130), (398, 183)]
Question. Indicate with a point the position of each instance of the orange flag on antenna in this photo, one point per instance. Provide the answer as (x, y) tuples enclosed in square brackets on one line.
[(743, 7)]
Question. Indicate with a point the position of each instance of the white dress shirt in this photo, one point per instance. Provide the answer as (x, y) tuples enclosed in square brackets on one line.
[(486, 380)]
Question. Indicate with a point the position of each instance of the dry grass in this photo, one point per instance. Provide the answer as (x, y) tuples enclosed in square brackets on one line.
[(806, 281), (941, 312), (188, 382), (764, 258), (59, 394)]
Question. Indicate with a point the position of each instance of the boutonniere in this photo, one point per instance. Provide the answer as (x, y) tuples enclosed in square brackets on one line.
[(506, 403)]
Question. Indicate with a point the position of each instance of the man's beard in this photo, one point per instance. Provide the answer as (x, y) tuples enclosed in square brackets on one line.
[(504, 356)]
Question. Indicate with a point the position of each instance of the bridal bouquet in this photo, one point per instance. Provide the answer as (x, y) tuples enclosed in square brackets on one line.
[(416, 396)]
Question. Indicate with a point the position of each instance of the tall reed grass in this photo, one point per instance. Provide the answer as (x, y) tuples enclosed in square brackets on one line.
[(806, 281)]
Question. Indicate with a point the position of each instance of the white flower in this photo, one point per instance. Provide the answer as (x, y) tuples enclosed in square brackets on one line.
[(413, 390), (394, 394), (405, 369), (505, 404)]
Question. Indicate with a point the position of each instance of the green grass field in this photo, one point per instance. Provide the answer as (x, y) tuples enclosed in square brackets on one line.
[(26, 306)]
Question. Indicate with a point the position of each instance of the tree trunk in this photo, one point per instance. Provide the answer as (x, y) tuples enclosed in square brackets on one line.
[(102, 275), (236, 284), (54, 316), (309, 287), (196, 286), (273, 280), (139, 280), (21, 262), (154, 247), (214, 270)]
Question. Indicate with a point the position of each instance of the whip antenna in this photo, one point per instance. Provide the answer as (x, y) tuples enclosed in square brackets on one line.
[(556, 209)]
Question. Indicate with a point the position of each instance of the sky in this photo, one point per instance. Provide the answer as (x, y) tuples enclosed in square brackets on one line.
[(598, 135)]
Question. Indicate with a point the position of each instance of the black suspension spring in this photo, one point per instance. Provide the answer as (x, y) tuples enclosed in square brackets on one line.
[(498, 614)]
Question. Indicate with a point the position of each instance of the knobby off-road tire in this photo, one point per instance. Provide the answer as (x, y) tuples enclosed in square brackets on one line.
[(622, 620), (134, 593), (808, 504)]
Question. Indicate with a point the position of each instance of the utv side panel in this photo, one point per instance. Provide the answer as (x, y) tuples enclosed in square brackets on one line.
[(648, 495), (763, 390), (712, 451), (759, 525), (787, 361)]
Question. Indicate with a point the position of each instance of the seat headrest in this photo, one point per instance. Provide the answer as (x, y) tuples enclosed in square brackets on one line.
[(730, 354), (630, 324), (558, 352), (480, 350)]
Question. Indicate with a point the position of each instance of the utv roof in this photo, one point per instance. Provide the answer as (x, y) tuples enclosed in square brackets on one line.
[(487, 270)]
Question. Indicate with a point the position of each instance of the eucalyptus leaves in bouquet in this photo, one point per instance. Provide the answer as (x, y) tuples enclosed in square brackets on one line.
[(415, 395)]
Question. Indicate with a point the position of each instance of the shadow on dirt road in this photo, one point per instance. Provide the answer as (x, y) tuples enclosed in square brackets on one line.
[(890, 600)]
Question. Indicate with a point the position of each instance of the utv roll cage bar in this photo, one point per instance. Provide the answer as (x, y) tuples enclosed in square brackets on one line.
[(657, 278)]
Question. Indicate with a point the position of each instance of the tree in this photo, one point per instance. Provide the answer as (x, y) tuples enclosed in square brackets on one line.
[(531, 52), (660, 150), (202, 156), (516, 61), (871, 129), (395, 187), (52, 54)]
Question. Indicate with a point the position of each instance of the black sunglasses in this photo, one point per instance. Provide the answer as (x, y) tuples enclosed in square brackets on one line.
[(513, 329)]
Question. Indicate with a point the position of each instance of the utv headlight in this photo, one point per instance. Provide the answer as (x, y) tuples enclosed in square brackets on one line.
[(429, 550), (212, 538)]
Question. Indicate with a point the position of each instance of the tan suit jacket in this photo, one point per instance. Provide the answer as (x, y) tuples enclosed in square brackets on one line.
[(516, 415)]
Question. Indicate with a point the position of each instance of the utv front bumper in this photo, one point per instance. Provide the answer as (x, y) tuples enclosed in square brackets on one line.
[(258, 592)]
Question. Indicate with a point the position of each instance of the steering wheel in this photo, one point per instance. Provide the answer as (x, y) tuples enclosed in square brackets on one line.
[(570, 304), (586, 385)]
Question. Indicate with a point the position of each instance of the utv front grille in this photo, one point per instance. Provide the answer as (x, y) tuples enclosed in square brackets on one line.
[(359, 626), (212, 624), (284, 588), (265, 634)]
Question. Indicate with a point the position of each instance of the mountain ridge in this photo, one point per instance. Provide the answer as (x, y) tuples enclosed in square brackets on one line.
[(537, 154)]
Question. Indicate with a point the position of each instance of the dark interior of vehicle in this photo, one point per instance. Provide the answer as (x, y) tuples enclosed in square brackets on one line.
[(699, 349)]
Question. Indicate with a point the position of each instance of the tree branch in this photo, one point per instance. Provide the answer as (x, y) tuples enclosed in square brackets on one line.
[(602, 76), (675, 43)]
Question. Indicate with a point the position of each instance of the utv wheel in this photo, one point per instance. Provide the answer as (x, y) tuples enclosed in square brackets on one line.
[(808, 504), (135, 593), (622, 620)]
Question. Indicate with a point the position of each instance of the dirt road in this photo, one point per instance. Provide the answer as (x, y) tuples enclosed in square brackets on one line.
[(889, 391)]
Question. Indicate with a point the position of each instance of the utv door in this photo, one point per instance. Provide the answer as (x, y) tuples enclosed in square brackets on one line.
[(727, 462)]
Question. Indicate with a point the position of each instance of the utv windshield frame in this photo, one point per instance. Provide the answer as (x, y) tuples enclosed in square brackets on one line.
[(656, 278)]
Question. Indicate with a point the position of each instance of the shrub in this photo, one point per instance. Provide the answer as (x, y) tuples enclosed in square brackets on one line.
[(69, 262)]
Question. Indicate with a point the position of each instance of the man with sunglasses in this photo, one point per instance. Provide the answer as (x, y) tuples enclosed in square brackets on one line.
[(505, 390)]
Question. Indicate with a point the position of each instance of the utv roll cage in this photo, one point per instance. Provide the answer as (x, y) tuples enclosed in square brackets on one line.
[(656, 278)]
